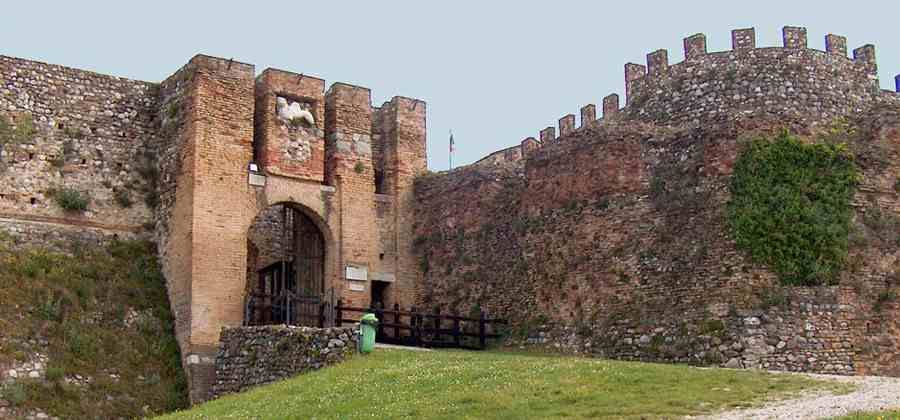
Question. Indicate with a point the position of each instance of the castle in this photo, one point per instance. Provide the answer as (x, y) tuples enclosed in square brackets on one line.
[(252, 184), (240, 178)]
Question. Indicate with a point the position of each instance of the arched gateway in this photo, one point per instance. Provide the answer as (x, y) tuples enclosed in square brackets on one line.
[(279, 198), (286, 281)]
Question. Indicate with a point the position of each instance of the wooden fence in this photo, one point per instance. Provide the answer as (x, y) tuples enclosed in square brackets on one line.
[(421, 329)]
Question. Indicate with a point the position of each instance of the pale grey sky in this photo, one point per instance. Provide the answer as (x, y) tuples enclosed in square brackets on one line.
[(493, 72)]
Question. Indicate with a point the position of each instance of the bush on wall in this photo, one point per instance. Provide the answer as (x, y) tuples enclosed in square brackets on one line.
[(72, 200), (790, 207)]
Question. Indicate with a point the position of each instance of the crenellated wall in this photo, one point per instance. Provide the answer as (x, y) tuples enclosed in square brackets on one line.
[(792, 81), (611, 239), (615, 243)]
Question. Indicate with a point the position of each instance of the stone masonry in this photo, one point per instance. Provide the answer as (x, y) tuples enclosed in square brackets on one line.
[(250, 356), (612, 240), (173, 160), (595, 231)]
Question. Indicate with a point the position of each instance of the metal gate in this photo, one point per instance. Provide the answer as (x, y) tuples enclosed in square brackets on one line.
[(291, 291)]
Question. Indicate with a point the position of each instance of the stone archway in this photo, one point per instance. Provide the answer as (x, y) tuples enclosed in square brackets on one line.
[(286, 267)]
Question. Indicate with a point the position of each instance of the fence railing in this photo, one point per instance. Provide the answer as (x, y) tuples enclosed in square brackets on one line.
[(417, 328), (264, 309)]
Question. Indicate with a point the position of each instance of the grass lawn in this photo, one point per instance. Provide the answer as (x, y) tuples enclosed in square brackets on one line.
[(490, 385)]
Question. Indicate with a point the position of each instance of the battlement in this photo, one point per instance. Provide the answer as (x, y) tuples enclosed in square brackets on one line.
[(791, 79), (815, 83)]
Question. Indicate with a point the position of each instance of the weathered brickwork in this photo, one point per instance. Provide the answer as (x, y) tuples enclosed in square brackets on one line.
[(285, 147), (207, 159), (250, 356)]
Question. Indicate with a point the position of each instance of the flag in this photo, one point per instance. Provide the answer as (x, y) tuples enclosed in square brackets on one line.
[(451, 149)]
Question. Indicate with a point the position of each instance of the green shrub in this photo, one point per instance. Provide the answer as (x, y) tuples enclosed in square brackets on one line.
[(36, 264), (72, 200), (50, 309), (55, 373), (359, 167), (22, 132), (790, 207)]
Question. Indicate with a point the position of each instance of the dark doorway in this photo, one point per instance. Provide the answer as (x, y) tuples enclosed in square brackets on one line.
[(380, 294), (285, 269)]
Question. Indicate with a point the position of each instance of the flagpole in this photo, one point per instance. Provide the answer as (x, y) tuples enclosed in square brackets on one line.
[(451, 149)]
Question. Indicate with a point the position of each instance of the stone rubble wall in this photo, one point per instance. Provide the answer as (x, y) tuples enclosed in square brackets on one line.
[(250, 356), (791, 81), (615, 243), (90, 132), (780, 81)]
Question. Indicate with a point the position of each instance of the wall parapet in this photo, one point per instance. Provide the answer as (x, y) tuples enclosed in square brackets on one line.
[(790, 79), (250, 356)]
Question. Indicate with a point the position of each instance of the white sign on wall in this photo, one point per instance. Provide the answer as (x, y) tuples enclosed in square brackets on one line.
[(388, 277), (354, 272), (257, 180)]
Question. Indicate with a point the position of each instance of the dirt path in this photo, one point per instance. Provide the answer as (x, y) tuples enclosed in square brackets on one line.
[(873, 393)]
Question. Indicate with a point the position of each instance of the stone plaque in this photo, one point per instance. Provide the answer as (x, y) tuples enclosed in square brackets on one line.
[(257, 180), (358, 287), (354, 272)]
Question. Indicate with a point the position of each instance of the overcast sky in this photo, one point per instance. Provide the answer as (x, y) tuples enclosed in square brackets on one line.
[(493, 72)]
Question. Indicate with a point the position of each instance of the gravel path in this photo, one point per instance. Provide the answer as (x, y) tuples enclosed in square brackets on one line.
[(873, 393)]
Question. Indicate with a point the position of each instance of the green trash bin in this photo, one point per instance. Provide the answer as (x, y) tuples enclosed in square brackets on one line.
[(367, 325)]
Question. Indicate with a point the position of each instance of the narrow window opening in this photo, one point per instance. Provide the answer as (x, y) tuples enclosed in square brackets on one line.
[(379, 182)]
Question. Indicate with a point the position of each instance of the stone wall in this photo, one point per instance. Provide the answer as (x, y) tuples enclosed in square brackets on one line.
[(613, 241), (90, 134), (250, 356), (791, 81), (174, 159)]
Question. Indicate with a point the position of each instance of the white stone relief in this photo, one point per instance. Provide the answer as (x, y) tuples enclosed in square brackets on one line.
[(294, 111)]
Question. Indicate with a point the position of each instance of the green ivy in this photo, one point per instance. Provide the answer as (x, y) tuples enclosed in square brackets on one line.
[(790, 207)]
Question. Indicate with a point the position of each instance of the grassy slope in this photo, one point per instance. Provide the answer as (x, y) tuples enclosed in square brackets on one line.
[(83, 307), (457, 384)]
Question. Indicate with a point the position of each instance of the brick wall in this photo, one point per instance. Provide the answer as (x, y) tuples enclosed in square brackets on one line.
[(287, 148)]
